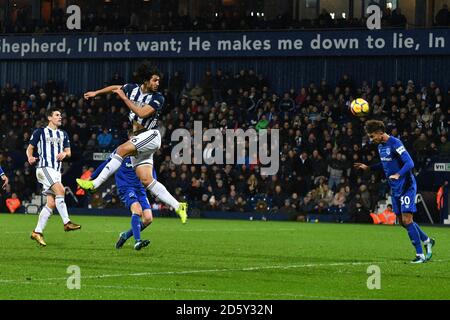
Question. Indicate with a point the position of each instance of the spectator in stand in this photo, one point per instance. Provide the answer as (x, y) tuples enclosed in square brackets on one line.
[(116, 80), (338, 206), (240, 205), (444, 148), (398, 20), (443, 17), (325, 19), (357, 211), (104, 139)]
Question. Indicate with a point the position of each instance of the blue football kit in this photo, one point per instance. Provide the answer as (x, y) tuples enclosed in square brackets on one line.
[(396, 159), (128, 184)]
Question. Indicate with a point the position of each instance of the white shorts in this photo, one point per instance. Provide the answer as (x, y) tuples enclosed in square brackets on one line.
[(47, 177), (146, 143)]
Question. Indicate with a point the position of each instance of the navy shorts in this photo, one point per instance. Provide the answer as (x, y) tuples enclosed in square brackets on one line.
[(405, 203), (128, 196)]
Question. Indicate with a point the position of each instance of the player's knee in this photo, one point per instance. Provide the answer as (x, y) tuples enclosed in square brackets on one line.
[(146, 181), (126, 149), (406, 220), (51, 203), (147, 220), (137, 212)]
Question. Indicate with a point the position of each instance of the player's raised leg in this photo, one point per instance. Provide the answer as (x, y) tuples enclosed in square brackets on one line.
[(145, 174), (124, 150)]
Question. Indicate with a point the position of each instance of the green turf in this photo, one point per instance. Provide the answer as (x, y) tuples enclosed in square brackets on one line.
[(218, 259)]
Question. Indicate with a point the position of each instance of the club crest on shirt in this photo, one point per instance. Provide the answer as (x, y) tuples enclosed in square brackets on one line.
[(388, 151)]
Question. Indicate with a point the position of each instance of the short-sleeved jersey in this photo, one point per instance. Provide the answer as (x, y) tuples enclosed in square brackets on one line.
[(49, 144), (153, 99), (394, 157)]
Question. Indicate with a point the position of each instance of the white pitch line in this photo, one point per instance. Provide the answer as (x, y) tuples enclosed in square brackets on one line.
[(168, 273), (311, 265)]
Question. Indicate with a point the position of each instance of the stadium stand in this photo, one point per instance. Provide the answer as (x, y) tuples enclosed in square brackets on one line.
[(319, 138)]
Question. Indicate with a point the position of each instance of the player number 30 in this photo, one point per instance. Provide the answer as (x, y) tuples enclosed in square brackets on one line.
[(405, 200)]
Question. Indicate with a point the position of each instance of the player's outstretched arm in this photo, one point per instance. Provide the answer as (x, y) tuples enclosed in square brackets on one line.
[(361, 166), (109, 89), (142, 112)]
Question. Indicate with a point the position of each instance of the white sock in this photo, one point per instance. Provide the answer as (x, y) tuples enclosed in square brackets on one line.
[(427, 241), (45, 214), (112, 166), (422, 256), (62, 208), (160, 191)]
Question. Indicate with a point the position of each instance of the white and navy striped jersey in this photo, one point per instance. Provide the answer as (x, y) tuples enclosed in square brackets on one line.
[(153, 99), (49, 144)]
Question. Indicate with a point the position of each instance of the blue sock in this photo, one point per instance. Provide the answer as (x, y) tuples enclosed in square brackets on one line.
[(423, 235), (136, 226), (415, 237), (129, 233)]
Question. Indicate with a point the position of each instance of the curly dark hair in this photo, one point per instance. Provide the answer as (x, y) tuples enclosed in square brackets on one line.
[(374, 126), (145, 71)]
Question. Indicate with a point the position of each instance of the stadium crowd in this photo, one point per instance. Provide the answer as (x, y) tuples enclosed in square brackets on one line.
[(109, 19), (319, 138)]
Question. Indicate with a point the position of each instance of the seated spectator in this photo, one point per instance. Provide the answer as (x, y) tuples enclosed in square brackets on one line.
[(338, 206), (116, 80), (288, 209), (444, 148), (359, 214), (443, 17), (398, 19), (240, 205), (321, 208), (114, 203), (203, 204), (92, 143), (104, 139), (224, 205), (13, 203), (278, 198), (97, 201)]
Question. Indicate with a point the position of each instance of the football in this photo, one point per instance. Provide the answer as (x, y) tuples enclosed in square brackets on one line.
[(359, 107)]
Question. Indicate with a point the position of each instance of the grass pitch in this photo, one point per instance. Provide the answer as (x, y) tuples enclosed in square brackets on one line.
[(218, 259)]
